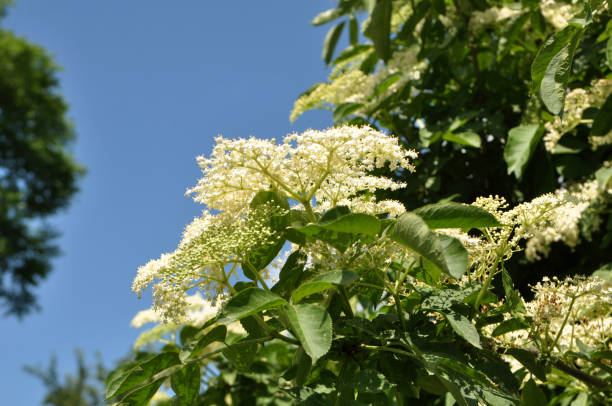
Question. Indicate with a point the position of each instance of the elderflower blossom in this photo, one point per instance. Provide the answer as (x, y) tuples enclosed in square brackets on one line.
[(585, 302), (542, 221), (350, 85), (208, 245), (330, 166), (558, 13), (576, 102), (198, 311), (491, 16), (317, 170)]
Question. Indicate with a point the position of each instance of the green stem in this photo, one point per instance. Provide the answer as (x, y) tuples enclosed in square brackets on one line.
[(569, 311)]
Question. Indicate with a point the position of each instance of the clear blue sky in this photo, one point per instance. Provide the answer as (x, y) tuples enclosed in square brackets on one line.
[(149, 84)]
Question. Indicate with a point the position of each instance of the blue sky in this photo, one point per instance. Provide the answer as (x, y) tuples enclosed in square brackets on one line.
[(149, 84)]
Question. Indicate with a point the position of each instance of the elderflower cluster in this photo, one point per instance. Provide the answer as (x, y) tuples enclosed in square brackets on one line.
[(576, 309), (209, 244), (542, 221), (328, 166), (350, 85), (558, 13), (490, 16), (317, 170), (198, 311), (576, 102)]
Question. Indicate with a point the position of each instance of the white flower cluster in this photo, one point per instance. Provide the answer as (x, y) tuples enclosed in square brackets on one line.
[(562, 222), (209, 244), (585, 302), (328, 166), (198, 311), (576, 102), (317, 170), (489, 17), (558, 13), (350, 85), (546, 219)]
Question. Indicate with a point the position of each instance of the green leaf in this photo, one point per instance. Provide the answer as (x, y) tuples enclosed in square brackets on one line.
[(133, 374), (186, 384), (411, 231), (513, 297), (456, 215), (323, 282), (455, 255), (521, 144), (510, 325), (290, 273), (345, 109), (197, 344), (551, 67), (468, 138), (464, 328), (268, 196), (530, 361), (605, 272), (368, 381), (379, 29), (342, 230), (249, 302), (241, 355), (312, 325), (603, 176), (602, 123), (387, 82), (532, 395), (609, 52), (331, 39), (327, 16), (444, 298), (142, 395), (353, 31)]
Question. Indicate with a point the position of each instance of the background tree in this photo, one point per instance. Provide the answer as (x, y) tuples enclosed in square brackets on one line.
[(38, 174), (86, 388)]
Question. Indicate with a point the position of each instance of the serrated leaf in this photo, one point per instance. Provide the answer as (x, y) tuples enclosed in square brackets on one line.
[(197, 344), (186, 384), (530, 361), (602, 124), (609, 52), (323, 282), (513, 298), (330, 42), (368, 381), (249, 302), (133, 374), (522, 142), (412, 232), (455, 255), (142, 395), (312, 325), (456, 215), (532, 395), (468, 138), (464, 328), (510, 325), (345, 109), (241, 355), (379, 28), (551, 67)]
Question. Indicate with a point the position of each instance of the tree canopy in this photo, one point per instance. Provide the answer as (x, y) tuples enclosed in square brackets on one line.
[(38, 174)]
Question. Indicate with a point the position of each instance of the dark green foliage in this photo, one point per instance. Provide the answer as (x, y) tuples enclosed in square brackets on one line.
[(38, 175)]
